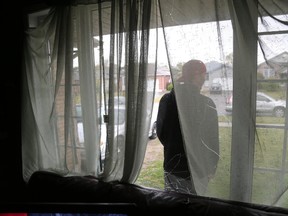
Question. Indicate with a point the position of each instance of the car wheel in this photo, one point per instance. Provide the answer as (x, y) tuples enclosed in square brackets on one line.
[(153, 132), (279, 112)]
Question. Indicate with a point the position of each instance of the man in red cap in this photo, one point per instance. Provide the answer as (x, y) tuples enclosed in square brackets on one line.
[(198, 128), (194, 71)]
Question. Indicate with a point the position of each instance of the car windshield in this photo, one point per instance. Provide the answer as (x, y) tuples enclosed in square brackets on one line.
[(264, 97)]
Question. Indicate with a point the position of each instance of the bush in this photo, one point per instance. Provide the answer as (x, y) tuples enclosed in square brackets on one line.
[(169, 86), (266, 86), (270, 87)]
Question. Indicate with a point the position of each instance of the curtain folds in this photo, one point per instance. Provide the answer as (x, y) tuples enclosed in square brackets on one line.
[(88, 90), (89, 80), (239, 43)]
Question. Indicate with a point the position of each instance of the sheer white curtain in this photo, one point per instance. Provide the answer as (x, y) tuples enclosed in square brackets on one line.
[(239, 42), (88, 91)]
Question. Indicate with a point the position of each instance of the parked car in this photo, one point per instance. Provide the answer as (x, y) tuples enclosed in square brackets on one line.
[(119, 118), (152, 129), (215, 88), (264, 104), (152, 132)]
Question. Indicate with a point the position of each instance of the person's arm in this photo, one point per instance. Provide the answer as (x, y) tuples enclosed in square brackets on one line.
[(162, 118), (213, 137)]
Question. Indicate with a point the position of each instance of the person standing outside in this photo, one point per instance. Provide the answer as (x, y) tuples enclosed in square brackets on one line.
[(181, 173)]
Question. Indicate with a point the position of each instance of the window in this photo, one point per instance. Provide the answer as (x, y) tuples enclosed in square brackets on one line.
[(86, 114), (100, 108), (271, 153)]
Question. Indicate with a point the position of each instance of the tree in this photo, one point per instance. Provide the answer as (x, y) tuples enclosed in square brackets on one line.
[(229, 59)]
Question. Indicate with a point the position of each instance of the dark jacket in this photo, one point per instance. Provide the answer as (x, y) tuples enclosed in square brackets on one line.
[(205, 121)]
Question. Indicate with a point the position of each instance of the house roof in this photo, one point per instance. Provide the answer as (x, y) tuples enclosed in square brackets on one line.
[(163, 70), (215, 66), (212, 66), (281, 59), (279, 63)]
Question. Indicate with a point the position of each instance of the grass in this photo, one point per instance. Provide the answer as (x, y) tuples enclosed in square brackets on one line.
[(259, 119), (266, 183), (152, 176)]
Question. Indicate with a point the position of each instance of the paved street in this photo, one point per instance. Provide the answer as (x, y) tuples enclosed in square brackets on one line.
[(220, 101)]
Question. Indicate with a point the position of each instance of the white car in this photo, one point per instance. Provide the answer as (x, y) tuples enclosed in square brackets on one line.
[(119, 128), (119, 118), (264, 104), (152, 131)]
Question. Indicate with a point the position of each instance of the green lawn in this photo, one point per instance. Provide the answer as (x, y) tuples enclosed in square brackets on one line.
[(152, 176), (259, 119), (266, 183)]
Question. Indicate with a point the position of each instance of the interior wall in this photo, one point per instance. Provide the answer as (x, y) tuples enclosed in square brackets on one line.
[(12, 186)]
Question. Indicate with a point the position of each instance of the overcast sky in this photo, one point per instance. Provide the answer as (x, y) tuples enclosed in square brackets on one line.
[(202, 41)]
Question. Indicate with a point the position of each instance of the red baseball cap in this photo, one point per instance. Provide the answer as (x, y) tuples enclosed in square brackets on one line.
[(192, 68)]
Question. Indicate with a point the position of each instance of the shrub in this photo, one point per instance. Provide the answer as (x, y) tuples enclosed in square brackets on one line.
[(270, 87), (169, 86)]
